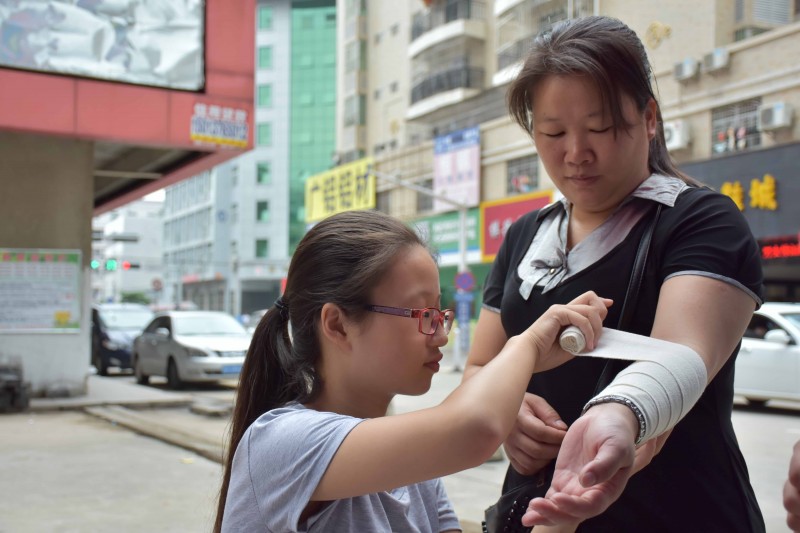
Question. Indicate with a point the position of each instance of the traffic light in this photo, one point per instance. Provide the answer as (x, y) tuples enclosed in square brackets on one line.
[(111, 264), (95, 264), (127, 265)]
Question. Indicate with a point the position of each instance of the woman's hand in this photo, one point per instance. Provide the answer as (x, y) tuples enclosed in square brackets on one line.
[(596, 460), (536, 437), (587, 312)]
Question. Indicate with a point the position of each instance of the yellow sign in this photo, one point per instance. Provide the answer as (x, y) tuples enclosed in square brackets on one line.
[(345, 188), (763, 193)]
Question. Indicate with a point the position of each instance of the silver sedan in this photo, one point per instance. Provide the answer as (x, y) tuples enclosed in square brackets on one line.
[(191, 346)]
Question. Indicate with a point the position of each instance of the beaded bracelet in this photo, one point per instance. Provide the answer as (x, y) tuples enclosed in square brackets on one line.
[(625, 401)]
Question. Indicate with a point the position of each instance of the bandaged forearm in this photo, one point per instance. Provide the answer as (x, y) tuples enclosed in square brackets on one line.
[(661, 386)]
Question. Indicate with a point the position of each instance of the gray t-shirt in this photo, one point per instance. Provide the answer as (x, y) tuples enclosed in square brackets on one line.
[(281, 460)]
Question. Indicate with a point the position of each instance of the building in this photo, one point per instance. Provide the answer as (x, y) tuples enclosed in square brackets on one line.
[(228, 244), (126, 253), (423, 89)]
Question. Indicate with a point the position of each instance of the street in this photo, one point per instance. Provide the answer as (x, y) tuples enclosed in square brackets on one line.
[(71, 471)]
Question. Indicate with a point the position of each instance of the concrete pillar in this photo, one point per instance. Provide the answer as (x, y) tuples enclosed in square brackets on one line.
[(46, 201)]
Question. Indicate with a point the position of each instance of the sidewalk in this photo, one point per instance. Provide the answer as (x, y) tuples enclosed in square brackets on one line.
[(200, 426)]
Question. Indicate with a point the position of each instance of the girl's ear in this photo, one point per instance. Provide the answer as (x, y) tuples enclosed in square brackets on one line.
[(334, 326)]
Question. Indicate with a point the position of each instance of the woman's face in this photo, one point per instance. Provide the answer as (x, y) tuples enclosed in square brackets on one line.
[(591, 166)]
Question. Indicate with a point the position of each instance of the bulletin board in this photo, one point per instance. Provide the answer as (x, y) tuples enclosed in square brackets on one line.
[(40, 290)]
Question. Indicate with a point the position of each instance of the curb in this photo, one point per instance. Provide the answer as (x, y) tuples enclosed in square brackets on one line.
[(147, 426)]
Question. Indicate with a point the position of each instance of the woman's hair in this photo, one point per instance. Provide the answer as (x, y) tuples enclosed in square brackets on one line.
[(609, 53), (340, 260)]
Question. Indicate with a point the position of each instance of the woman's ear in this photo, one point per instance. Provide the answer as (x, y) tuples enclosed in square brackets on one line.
[(651, 118), (334, 325)]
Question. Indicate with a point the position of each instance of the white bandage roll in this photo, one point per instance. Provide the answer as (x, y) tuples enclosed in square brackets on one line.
[(664, 383)]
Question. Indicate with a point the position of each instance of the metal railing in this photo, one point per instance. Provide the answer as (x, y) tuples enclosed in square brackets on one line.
[(447, 80), (443, 12)]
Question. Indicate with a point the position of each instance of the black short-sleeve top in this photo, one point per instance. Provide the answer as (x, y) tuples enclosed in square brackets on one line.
[(699, 481)]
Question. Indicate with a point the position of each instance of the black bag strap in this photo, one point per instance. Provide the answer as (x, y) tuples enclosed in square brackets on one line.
[(612, 367)]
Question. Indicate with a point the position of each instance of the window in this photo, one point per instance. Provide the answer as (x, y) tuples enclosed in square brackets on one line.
[(262, 211), (262, 248), (234, 175), (264, 134), (265, 57), (234, 213), (265, 95), (395, 28), (377, 94), (522, 175), (735, 127), (264, 17), (264, 173)]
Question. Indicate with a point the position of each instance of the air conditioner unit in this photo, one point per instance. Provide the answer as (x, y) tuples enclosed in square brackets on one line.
[(676, 134), (774, 116), (686, 69), (717, 60)]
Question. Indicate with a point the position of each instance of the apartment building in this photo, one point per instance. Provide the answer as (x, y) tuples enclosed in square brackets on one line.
[(229, 233), (422, 90)]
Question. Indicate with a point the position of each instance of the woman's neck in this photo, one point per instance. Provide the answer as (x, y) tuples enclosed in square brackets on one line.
[(583, 223), (351, 405)]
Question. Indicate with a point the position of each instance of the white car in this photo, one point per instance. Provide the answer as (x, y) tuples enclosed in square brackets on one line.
[(190, 346), (768, 365)]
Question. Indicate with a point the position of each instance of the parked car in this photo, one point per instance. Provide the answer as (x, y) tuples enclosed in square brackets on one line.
[(114, 326), (768, 365), (254, 318), (190, 346)]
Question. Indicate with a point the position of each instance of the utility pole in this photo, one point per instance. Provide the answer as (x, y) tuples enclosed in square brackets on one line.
[(461, 329)]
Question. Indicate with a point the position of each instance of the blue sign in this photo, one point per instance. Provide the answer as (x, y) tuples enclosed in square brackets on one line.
[(465, 281)]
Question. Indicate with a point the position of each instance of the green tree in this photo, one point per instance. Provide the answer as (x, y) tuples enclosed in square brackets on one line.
[(135, 298)]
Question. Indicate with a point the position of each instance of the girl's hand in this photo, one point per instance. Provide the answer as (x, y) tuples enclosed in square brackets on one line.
[(587, 312)]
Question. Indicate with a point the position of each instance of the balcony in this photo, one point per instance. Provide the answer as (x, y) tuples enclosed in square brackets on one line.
[(447, 20), (449, 86)]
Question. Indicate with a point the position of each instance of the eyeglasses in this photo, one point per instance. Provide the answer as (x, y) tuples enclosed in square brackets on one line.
[(429, 317)]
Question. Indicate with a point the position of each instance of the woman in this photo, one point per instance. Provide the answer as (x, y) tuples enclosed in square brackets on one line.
[(310, 448), (584, 95)]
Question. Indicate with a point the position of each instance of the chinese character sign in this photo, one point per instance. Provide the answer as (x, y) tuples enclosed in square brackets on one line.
[(497, 217), (346, 187), (457, 168), (762, 193)]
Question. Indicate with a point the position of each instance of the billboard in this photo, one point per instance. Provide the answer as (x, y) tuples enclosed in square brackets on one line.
[(157, 43), (457, 168), (498, 215), (346, 187)]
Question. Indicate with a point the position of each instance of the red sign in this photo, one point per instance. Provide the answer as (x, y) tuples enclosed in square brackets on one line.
[(779, 247), (497, 216)]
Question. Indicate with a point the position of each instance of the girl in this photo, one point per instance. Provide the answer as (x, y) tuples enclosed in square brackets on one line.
[(310, 448)]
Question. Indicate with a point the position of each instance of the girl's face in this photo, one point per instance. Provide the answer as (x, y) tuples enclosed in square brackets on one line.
[(390, 355), (594, 169)]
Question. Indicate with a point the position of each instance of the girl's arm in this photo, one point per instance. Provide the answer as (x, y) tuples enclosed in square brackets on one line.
[(468, 426)]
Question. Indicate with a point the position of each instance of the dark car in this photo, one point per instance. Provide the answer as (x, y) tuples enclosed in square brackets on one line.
[(114, 326)]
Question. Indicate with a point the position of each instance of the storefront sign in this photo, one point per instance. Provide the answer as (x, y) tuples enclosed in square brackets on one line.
[(779, 247), (442, 232), (497, 216), (457, 168), (219, 125), (345, 188)]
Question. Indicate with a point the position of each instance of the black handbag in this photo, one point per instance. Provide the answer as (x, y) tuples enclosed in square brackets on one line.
[(505, 516)]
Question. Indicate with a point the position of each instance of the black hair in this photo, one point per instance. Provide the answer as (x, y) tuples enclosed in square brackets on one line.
[(340, 260), (609, 53)]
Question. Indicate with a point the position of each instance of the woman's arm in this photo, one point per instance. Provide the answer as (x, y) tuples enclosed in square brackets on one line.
[(705, 314), (465, 429)]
